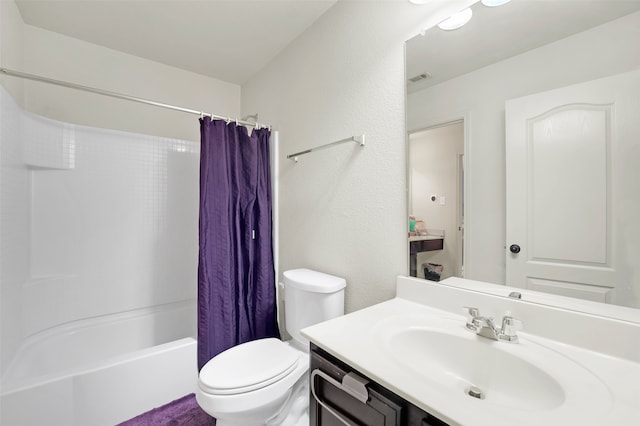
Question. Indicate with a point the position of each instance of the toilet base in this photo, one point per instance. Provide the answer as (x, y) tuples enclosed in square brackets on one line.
[(296, 410), (302, 421), (236, 416)]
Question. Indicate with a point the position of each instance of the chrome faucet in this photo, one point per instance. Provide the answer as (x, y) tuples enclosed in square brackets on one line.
[(485, 326)]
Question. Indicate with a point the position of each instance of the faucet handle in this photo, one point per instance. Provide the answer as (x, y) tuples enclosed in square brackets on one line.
[(509, 327), (472, 315), (472, 312)]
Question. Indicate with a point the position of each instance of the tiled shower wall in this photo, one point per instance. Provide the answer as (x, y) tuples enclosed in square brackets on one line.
[(93, 222), (15, 193)]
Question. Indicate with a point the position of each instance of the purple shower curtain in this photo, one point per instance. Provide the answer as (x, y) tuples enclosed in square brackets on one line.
[(236, 279)]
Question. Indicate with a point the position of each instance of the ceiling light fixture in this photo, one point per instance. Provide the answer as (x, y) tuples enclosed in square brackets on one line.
[(456, 21), (494, 3), (419, 1)]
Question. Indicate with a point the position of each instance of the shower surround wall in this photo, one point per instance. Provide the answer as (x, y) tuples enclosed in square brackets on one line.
[(38, 51), (94, 223)]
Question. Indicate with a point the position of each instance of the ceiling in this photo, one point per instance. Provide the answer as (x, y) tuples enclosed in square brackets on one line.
[(497, 33), (230, 40)]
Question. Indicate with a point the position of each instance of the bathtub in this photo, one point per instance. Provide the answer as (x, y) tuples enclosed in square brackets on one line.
[(104, 370)]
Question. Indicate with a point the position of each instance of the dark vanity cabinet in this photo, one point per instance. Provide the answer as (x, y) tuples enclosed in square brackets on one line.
[(419, 245), (341, 396)]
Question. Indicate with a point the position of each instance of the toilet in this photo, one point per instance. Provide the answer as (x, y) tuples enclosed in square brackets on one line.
[(265, 381)]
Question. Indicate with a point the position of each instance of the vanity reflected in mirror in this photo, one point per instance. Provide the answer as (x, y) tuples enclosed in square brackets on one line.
[(524, 147)]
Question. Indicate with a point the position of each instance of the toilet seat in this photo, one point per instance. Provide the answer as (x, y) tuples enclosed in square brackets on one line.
[(248, 367)]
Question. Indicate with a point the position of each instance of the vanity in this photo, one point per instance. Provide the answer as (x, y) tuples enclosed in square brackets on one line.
[(338, 389), (463, 352), (434, 240)]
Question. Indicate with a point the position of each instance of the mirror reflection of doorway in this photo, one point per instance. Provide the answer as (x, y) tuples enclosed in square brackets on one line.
[(436, 164)]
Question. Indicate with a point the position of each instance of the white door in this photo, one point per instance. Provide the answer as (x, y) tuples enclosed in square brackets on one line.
[(573, 190)]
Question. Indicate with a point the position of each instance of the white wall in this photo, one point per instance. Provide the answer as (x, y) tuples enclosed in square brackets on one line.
[(64, 58), (434, 168), (344, 210), (480, 95)]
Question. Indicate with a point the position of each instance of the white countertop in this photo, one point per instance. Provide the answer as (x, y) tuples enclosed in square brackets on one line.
[(425, 237), (358, 340), (432, 234)]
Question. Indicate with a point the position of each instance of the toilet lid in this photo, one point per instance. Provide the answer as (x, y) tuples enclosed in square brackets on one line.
[(249, 366)]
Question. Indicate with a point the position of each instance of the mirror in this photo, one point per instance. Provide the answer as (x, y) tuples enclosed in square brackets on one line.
[(519, 84)]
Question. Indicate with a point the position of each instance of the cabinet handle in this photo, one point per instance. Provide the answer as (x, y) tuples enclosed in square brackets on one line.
[(352, 384)]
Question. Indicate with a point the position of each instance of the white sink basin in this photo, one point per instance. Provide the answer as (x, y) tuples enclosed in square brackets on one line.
[(524, 376), (465, 361)]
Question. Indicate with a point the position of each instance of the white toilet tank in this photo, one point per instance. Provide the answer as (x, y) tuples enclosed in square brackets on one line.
[(310, 297)]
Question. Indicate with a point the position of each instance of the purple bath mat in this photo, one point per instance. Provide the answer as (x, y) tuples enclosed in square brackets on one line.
[(181, 412)]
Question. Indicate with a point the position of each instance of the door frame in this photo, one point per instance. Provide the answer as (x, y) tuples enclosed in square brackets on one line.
[(432, 123)]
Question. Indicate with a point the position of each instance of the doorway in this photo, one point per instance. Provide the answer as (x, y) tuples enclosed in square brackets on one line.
[(436, 194)]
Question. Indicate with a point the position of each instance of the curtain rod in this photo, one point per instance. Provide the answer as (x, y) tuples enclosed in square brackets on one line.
[(34, 77)]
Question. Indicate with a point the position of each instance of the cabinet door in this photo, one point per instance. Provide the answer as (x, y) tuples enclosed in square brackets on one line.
[(336, 407), (330, 405)]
